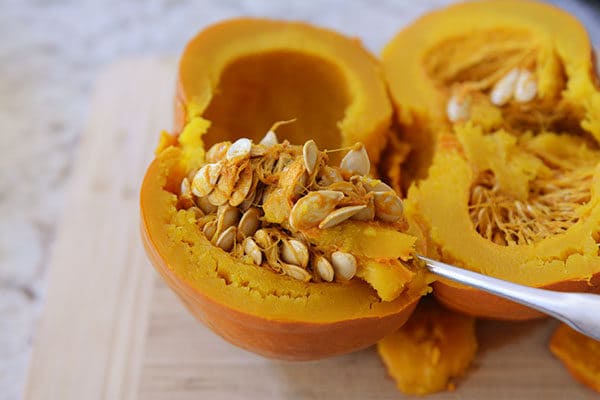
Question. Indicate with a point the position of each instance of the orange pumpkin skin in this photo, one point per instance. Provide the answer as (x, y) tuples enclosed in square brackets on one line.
[(482, 304)]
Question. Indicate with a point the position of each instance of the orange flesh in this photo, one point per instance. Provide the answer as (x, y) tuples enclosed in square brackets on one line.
[(430, 350), (579, 354)]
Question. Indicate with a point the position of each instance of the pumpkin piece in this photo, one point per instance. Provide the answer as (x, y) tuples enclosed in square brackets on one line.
[(217, 220), (430, 351), (509, 178), (579, 354), (255, 307), (243, 74)]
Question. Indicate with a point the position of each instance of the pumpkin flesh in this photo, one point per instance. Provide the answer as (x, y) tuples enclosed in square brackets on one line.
[(432, 349)]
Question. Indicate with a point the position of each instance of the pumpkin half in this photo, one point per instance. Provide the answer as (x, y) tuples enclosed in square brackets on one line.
[(499, 101), (236, 79)]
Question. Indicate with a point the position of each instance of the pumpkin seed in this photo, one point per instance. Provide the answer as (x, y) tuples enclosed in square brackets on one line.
[(263, 239), (205, 205), (340, 215), (344, 264), (294, 252), (239, 149), (458, 108), (184, 189), (217, 152), (324, 268), (526, 87), (356, 160), (388, 206), (248, 197), (249, 222), (367, 213), (210, 229), (252, 249), (370, 184), (226, 239), (197, 212), (205, 179), (217, 197), (310, 154), (242, 186), (311, 209), (504, 89), (227, 216), (296, 272), (270, 139)]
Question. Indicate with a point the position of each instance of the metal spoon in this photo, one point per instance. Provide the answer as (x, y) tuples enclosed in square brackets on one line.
[(581, 311)]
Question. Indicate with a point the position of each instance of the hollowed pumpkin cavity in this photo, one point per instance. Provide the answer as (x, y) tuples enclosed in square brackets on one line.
[(259, 89), (245, 74)]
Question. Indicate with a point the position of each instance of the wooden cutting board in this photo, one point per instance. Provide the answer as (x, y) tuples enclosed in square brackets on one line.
[(112, 330)]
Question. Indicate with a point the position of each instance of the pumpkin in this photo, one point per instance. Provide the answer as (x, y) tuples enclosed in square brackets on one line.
[(235, 80), (579, 354), (499, 102), (433, 348)]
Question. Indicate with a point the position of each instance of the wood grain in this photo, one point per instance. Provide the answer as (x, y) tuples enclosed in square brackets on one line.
[(90, 339), (185, 360), (112, 330)]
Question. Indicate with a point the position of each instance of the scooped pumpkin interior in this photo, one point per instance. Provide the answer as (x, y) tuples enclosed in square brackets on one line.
[(276, 86), (245, 74), (236, 79), (500, 103)]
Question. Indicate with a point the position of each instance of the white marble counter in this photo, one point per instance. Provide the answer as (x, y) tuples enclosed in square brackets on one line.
[(50, 53)]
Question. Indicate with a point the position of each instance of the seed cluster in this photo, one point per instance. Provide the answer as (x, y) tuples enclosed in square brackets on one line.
[(518, 84), (257, 200), (550, 209)]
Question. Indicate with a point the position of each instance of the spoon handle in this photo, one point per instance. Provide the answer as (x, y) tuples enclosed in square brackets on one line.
[(581, 311)]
